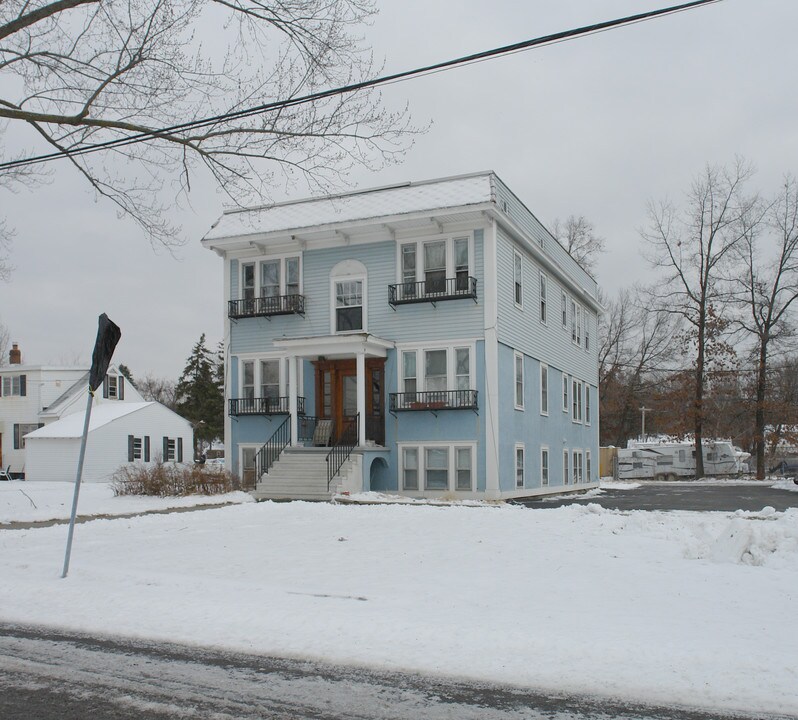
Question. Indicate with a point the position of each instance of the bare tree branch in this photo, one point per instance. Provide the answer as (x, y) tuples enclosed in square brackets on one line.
[(88, 72)]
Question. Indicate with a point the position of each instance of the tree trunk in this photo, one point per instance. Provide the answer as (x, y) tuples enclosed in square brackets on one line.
[(759, 422), (699, 397)]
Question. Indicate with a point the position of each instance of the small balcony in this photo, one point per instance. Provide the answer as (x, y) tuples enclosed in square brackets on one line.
[(433, 401), (266, 306), (263, 406), (433, 290)]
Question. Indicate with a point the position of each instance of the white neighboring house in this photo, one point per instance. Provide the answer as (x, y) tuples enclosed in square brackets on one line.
[(119, 434), (33, 396)]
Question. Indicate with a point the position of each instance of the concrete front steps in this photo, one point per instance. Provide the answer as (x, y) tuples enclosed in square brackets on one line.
[(301, 474)]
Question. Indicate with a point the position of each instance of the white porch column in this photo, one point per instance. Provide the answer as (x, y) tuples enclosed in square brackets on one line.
[(361, 395), (292, 399)]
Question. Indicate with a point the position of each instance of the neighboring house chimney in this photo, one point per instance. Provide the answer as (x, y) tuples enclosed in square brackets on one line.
[(15, 355)]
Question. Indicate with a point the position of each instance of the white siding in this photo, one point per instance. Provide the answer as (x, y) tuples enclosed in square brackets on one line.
[(107, 447)]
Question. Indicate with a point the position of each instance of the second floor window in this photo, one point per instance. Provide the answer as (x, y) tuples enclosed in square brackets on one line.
[(14, 385), (432, 262), (270, 378), (441, 369), (518, 280), (544, 390), (348, 305), (519, 381)]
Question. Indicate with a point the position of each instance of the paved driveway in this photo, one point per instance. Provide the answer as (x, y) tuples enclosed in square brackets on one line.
[(726, 497)]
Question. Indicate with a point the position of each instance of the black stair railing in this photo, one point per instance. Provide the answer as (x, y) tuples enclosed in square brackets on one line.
[(342, 449), (268, 454)]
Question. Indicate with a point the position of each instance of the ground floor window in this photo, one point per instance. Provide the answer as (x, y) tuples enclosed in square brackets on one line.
[(437, 467), (544, 466), (21, 430), (565, 476), (138, 448), (173, 449), (519, 466), (588, 475)]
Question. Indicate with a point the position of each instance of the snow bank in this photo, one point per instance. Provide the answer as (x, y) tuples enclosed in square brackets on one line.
[(785, 485), (28, 501), (674, 608)]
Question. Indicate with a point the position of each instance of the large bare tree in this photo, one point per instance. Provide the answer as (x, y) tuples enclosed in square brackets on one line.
[(80, 73), (767, 289), (692, 246)]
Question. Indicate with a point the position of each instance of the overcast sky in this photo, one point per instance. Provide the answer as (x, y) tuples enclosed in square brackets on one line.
[(596, 126)]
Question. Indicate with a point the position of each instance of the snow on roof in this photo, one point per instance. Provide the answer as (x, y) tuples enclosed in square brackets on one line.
[(71, 426), (361, 205)]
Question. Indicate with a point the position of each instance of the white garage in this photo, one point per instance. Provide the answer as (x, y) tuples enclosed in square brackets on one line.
[(119, 434)]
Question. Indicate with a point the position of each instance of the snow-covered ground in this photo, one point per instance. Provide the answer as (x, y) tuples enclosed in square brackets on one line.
[(676, 608), (31, 501)]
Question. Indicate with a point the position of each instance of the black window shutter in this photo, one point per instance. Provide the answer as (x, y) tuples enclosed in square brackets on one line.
[(146, 448), (120, 393), (130, 448), (179, 449), (105, 386), (165, 449), (16, 436), (23, 385)]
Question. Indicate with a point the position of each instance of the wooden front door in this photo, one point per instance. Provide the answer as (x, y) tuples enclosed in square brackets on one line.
[(336, 394)]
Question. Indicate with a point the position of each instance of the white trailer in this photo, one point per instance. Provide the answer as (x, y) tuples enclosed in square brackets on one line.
[(676, 460)]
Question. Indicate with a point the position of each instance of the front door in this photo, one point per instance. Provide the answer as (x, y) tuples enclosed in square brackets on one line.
[(336, 394)]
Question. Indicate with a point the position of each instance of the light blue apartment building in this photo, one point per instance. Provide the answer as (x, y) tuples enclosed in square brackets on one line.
[(429, 339)]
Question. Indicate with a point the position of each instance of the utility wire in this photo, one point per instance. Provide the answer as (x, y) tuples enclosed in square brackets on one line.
[(166, 132)]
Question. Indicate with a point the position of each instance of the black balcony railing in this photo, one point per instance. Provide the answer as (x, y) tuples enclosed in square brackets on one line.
[(266, 306), (433, 400), (264, 406), (432, 290)]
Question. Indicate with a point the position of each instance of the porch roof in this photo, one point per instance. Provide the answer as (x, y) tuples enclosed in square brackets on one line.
[(336, 346)]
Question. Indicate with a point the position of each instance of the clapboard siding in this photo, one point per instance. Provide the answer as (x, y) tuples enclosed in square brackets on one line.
[(107, 446), (419, 322), (521, 328), (522, 216)]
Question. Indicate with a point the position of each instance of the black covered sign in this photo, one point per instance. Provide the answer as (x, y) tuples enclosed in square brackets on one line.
[(108, 334)]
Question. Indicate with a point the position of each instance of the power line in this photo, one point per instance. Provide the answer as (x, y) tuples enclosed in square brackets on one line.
[(165, 132)]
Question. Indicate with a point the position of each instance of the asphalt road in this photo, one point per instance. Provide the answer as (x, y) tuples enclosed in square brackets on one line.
[(726, 497), (47, 675)]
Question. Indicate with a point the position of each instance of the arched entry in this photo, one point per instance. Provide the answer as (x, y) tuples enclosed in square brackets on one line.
[(379, 478)]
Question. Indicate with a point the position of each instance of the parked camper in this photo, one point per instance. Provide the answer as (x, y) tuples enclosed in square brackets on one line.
[(675, 460)]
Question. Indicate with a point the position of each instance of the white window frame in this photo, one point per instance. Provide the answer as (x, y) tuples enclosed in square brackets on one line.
[(544, 389), (588, 467), (566, 456), (545, 467), (258, 380), (564, 310), (544, 281), (518, 279), (576, 400), (587, 404), (268, 258), (421, 449), (451, 349), (334, 307), (419, 244), (522, 468), (113, 387), (565, 394), (456, 469), (138, 453), (241, 448), (11, 386), (573, 321), (516, 357), (587, 316)]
